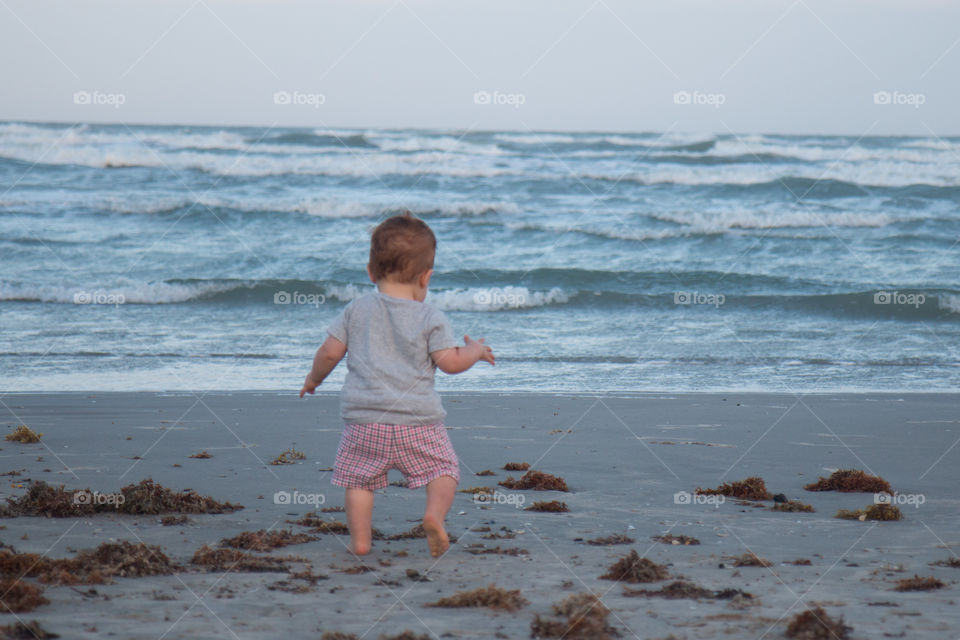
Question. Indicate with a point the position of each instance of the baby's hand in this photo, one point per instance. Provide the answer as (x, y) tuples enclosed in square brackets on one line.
[(484, 352), (309, 386)]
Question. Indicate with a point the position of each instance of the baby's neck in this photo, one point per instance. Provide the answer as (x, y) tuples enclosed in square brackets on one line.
[(403, 290)]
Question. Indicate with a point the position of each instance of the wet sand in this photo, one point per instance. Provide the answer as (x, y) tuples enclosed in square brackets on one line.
[(624, 458)]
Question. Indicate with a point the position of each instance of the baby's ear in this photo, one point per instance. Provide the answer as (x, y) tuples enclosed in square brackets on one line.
[(425, 278), (370, 273)]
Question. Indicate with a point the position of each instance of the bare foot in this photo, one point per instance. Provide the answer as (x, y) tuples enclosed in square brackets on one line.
[(436, 536), (360, 548)]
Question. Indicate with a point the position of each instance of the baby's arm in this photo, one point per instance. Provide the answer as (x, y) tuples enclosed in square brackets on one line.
[(329, 354), (459, 359)]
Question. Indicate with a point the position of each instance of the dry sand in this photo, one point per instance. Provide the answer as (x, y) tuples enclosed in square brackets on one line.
[(624, 459)]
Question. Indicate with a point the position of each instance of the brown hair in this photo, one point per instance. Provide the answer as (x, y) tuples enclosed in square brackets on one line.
[(402, 247)]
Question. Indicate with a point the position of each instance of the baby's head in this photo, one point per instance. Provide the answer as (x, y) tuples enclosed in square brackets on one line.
[(401, 252)]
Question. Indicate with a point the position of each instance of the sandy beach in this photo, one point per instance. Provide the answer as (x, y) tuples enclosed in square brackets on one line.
[(626, 460)]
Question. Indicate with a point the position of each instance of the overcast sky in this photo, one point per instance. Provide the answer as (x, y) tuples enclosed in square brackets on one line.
[(765, 66)]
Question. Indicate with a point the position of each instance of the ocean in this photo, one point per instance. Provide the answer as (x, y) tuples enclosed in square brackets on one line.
[(188, 258)]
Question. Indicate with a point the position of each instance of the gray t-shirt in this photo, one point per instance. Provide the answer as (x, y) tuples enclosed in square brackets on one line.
[(389, 369)]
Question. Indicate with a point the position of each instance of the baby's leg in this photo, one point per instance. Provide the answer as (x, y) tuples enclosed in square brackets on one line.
[(359, 506), (440, 494)]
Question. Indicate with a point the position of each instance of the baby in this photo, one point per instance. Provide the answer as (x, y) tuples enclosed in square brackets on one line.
[(393, 416)]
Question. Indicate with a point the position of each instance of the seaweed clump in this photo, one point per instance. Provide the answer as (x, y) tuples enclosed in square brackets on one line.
[(90, 566), (880, 511), (25, 631), (617, 538), (516, 466), (241, 561), (24, 434), (290, 456), (633, 568), (553, 506), (688, 590), (491, 596), (792, 506), (536, 480), (17, 596), (264, 540), (753, 488), (146, 497), (750, 559), (815, 624), (582, 616), (953, 563), (916, 583), (485, 472), (850, 481), (669, 538)]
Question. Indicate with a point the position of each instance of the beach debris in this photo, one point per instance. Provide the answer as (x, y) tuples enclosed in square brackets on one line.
[(669, 538), (357, 569), (582, 616), (416, 532), (792, 506), (476, 490), (25, 631), (416, 576), (319, 525), (491, 597), (403, 635), (881, 511), (536, 480), (516, 466), (264, 540), (203, 455), (24, 434), (802, 562), (953, 563), (753, 488), (916, 583), (485, 472), (17, 596), (780, 497), (146, 497), (686, 590), (815, 624), (850, 481), (290, 456), (483, 550), (616, 538), (750, 559), (89, 566), (632, 568), (554, 506), (240, 561), (171, 521), (336, 509)]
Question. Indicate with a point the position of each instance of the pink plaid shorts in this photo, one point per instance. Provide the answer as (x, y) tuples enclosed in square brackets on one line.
[(367, 451)]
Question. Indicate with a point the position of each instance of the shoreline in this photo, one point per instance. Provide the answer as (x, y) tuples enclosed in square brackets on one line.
[(624, 459)]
